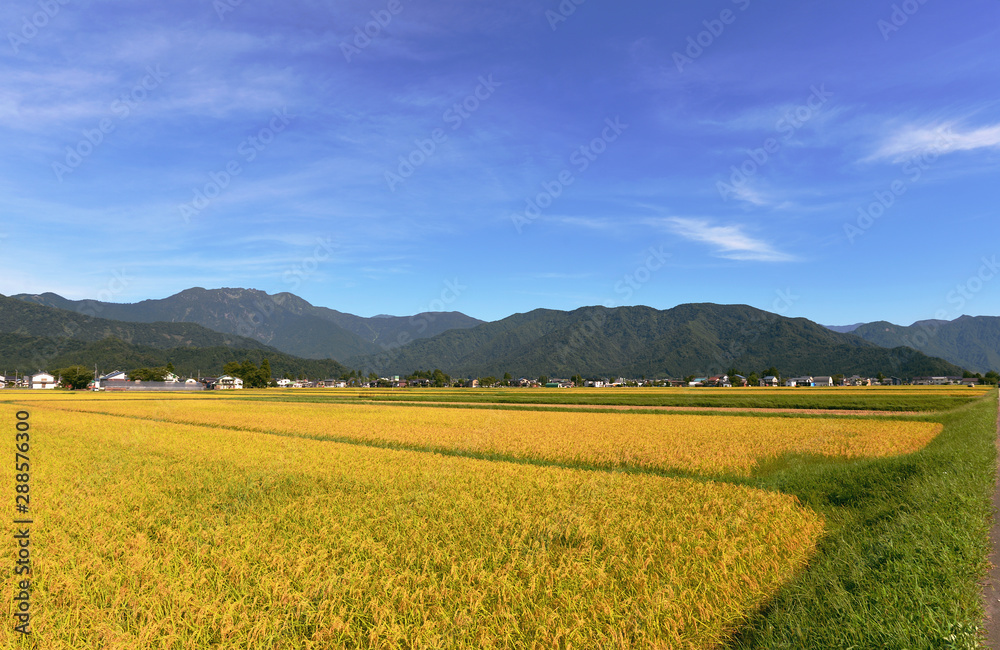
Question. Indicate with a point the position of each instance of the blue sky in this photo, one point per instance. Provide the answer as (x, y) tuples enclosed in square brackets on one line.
[(836, 161)]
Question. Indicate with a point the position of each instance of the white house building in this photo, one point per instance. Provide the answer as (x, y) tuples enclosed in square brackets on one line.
[(226, 382), (825, 382), (43, 380)]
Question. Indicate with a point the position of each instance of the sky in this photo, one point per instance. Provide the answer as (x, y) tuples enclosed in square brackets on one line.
[(834, 161)]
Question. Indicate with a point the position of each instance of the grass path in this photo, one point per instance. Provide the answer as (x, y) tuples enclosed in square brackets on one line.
[(991, 589)]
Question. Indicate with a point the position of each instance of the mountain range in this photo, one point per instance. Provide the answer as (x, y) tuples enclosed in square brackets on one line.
[(36, 337), (695, 339), (283, 320), (972, 342)]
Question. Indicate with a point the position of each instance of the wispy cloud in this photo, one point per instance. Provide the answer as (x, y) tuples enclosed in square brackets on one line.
[(940, 138), (730, 241), (750, 195)]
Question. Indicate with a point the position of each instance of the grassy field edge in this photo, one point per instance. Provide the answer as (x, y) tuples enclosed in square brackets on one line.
[(907, 547)]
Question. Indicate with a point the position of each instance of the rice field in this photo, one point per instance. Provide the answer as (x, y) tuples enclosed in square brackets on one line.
[(161, 535), (711, 444), (256, 520)]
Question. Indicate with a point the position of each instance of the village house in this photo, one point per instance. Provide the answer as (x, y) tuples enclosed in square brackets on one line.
[(117, 375), (936, 381), (823, 382), (227, 382), (43, 381), (796, 382), (770, 381)]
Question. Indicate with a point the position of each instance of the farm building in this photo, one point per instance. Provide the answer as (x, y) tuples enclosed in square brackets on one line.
[(43, 380)]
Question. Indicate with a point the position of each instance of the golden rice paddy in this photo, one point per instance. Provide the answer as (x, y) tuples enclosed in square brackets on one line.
[(152, 534), (712, 444)]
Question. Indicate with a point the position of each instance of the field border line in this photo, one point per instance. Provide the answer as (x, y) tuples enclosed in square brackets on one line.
[(991, 587)]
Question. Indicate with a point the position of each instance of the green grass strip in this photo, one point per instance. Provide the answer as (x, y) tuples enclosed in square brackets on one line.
[(908, 544)]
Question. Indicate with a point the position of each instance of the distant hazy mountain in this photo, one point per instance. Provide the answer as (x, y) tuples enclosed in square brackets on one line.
[(283, 321), (970, 342), (843, 329), (700, 339), (37, 337), (27, 319)]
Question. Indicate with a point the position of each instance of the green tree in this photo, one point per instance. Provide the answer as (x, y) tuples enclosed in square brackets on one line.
[(252, 376), (148, 374), (880, 377), (838, 380), (992, 377), (753, 379), (543, 380), (75, 377), (507, 378), (265, 373)]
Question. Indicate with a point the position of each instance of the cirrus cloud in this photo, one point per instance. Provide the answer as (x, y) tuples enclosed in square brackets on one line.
[(730, 241)]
